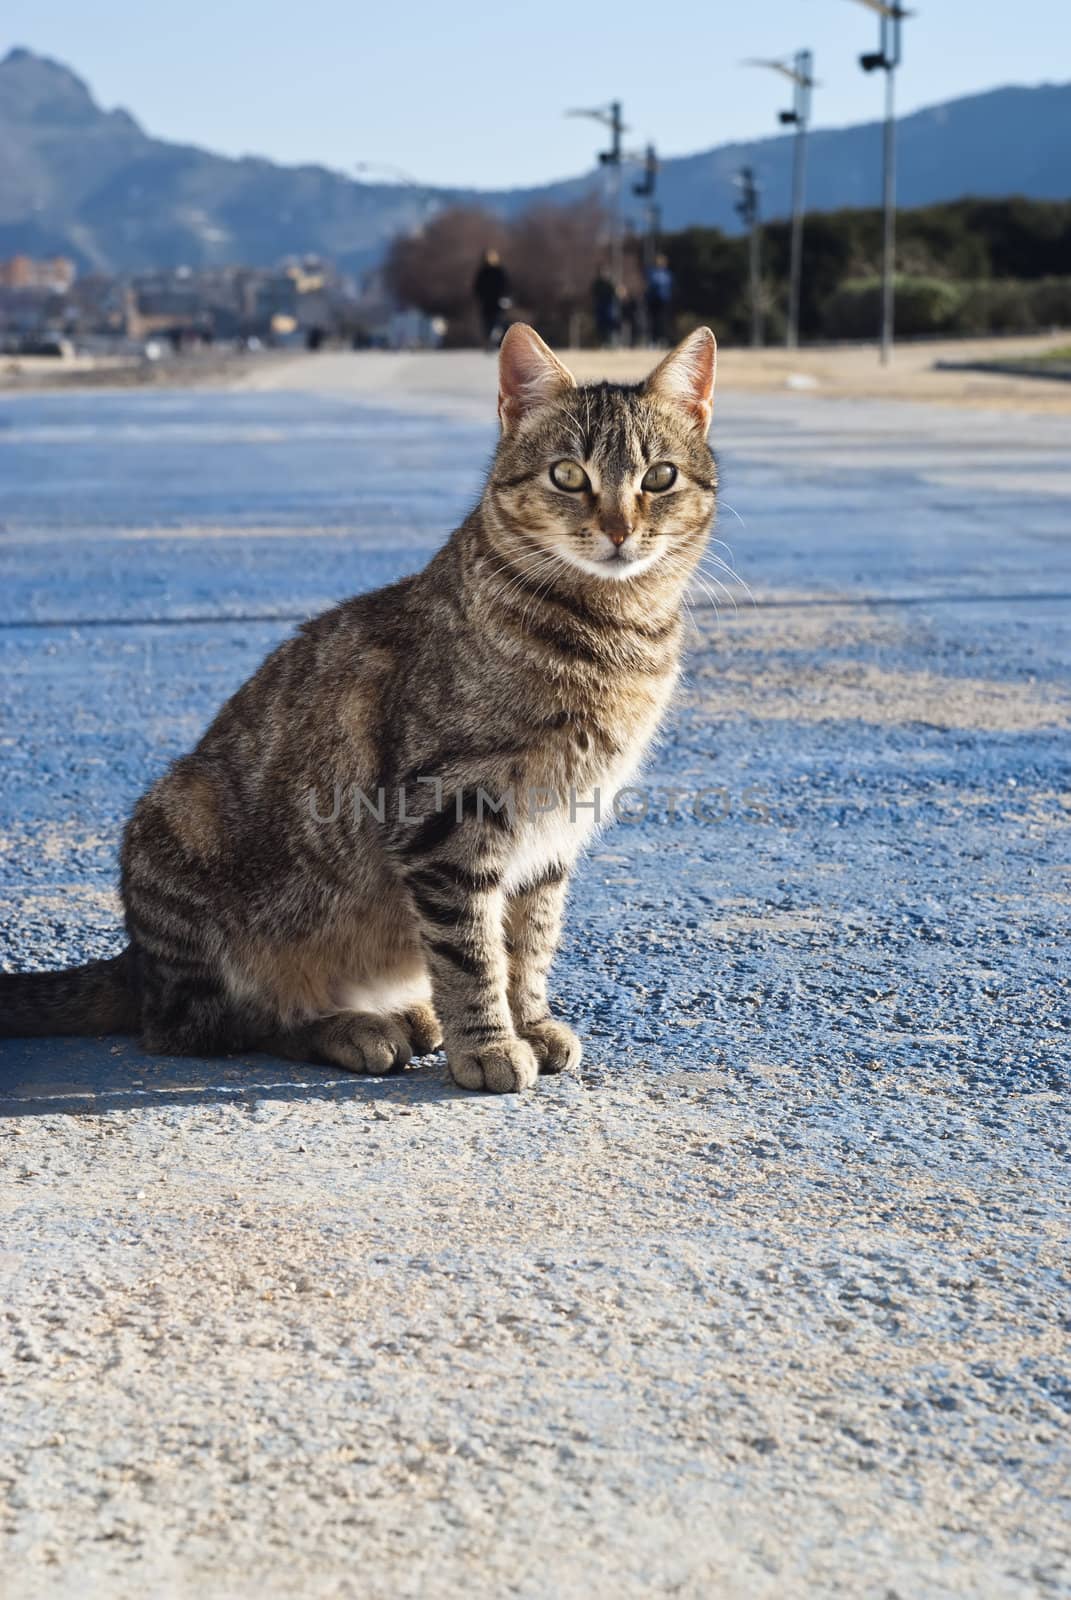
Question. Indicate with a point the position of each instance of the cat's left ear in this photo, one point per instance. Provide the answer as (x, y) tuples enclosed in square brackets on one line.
[(529, 375), (686, 376)]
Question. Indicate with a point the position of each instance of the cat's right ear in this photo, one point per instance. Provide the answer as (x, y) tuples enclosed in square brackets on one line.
[(529, 375), (686, 376)]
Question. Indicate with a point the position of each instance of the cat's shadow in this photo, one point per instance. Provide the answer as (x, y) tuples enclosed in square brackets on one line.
[(39, 1077)]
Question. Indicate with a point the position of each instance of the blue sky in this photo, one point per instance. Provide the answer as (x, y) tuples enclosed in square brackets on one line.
[(475, 93)]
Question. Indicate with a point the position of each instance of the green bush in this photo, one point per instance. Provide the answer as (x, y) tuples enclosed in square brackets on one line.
[(1012, 305), (1000, 307), (1051, 298), (923, 306), (710, 274), (968, 267), (936, 306)]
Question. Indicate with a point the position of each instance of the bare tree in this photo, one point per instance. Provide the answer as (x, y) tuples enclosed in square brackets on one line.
[(434, 269), (554, 253), (550, 252)]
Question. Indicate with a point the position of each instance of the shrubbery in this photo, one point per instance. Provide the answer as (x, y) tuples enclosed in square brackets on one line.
[(935, 306), (1014, 306), (970, 267), (923, 306)]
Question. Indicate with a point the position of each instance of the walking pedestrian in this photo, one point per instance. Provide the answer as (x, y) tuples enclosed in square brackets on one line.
[(491, 290), (630, 317), (605, 306), (659, 300)]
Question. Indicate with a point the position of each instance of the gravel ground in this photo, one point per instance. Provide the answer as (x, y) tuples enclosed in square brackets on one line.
[(772, 1298)]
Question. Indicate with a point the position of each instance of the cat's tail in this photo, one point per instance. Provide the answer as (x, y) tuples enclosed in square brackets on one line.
[(96, 998)]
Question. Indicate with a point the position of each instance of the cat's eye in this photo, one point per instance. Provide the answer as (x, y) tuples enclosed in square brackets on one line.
[(569, 475), (663, 475)]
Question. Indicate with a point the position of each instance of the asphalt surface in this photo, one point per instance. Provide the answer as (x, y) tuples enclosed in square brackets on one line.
[(773, 1298)]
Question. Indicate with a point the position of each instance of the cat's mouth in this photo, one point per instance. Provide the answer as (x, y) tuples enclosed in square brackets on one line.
[(622, 559), (615, 565)]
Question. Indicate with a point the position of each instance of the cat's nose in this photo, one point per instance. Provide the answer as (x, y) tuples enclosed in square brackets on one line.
[(616, 527)]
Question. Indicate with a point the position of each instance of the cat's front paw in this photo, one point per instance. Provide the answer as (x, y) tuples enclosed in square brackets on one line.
[(504, 1068), (556, 1046)]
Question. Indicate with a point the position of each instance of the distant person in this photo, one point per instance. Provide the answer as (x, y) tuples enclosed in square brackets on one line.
[(630, 317), (605, 307), (491, 289), (659, 300)]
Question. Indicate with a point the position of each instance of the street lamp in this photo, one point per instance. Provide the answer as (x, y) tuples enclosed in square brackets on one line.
[(747, 209), (645, 190), (801, 74), (886, 60), (610, 117)]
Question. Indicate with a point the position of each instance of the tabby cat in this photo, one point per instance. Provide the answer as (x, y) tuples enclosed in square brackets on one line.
[(367, 853)]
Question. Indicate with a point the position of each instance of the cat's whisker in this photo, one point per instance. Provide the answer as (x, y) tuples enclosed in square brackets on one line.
[(516, 571), (709, 593), (723, 588), (690, 574), (522, 568), (730, 573), (723, 505), (551, 563), (704, 580), (577, 441), (727, 588), (693, 625), (527, 565), (542, 590)]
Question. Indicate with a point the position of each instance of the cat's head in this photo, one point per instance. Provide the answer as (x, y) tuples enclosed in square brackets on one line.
[(608, 480)]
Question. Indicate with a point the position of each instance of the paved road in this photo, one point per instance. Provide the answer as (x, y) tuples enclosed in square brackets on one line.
[(771, 1300)]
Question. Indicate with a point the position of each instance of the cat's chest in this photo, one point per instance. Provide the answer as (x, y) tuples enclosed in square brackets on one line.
[(573, 780)]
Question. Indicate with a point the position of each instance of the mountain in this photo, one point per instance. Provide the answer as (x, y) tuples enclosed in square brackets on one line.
[(76, 180), (79, 181), (1010, 141)]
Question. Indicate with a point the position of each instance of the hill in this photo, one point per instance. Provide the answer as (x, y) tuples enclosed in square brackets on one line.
[(81, 181)]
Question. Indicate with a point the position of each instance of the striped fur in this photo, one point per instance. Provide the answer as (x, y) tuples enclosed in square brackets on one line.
[(269, 906)]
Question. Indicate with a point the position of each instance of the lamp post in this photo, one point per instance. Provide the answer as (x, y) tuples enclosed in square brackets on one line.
[(645, 190), (886, 59), (747, 209), (801, 74), (610, 117)]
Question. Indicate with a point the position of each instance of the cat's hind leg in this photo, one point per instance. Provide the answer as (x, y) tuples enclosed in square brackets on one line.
[(423, 1028), (186, 1010), (359, 1041), (355, 1040)]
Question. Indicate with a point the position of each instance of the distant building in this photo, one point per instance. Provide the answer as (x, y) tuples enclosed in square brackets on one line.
[(56, 275), (96, 307), (302, 299)]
